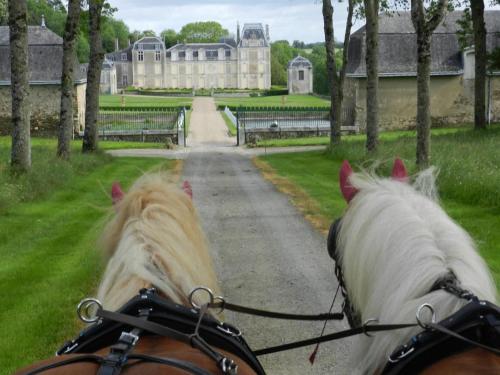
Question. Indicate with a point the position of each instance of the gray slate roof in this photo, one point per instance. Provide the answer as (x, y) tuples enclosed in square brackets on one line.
[(117, 55), (45, 57), (299, 62), (196, 46), (253, 31), (398, 46)]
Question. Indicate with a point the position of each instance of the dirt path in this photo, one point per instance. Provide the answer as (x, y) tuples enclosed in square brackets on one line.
[(265, 253)]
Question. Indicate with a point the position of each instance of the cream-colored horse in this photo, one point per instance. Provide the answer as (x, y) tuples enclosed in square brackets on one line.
[(154, 239), (394, 243)]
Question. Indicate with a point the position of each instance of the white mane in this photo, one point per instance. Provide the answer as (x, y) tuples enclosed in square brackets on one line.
[(394, 243), (155, 239)]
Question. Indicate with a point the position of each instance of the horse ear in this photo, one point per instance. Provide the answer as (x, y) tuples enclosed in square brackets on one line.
[(399, 172), (116, 192), (348, 191), (186, 186)]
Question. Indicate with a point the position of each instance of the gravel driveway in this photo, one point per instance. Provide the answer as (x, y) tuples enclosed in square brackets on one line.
[(266, 254)]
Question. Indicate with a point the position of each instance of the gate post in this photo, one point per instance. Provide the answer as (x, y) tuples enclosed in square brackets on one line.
[(184, 125), (238, 126)]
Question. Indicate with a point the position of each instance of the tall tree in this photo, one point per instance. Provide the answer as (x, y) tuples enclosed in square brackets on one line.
[(336, 81), (333, 79), (371, 13), (425, 22), (93, 76), (67, 79), (477, 13), (19, 77), (4, 14)]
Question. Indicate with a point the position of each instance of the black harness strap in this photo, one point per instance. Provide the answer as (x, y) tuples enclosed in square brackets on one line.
[(272, 314), (333, 336), (82, 358)]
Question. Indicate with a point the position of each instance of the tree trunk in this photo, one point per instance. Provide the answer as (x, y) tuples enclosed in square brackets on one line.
[(21, 146), (424, 22), (477, 12), (371, 11), (335, 135), (423, 99), (93, 77), (67, 79)]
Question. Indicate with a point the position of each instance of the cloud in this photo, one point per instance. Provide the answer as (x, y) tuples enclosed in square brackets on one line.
[(287, 19)]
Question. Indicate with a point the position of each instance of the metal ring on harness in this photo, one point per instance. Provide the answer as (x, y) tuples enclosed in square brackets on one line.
[(83, 307), (222, 302), (419, 311), (365, 324), (205, 289)]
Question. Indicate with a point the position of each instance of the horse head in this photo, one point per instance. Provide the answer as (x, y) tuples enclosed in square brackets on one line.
[(154, 239), (390, 247)]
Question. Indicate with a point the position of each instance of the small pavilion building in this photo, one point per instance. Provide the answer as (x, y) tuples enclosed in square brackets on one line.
[(300, 76)]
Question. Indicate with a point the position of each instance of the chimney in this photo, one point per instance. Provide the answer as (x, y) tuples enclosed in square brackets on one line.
[(117, 45), (43, 21), (267, 33), (238, 32)]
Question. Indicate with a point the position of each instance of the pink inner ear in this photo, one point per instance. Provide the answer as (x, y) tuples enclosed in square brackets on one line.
[(186, 186), (116, 192), (399, 172), (348, 191)]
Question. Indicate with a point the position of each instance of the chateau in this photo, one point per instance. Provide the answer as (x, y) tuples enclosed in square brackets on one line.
[(244, 63)]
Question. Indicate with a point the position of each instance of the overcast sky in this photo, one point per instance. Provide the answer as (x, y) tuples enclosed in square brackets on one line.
[(287, 19)]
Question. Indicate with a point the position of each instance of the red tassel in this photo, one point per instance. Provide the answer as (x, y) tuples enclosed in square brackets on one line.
[(312, 357)]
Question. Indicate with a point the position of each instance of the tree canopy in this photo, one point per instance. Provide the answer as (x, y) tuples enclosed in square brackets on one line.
[(202, 32)]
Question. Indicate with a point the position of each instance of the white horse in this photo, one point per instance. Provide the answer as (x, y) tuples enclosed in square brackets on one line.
[(394, 243)]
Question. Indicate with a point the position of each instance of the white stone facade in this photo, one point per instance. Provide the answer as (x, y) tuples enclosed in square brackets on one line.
[(240, 64)]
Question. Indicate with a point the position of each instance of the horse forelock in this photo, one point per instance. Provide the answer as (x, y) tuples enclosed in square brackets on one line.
[(154, 239), (394, 242)]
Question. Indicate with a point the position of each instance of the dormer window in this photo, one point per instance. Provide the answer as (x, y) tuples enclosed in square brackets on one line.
[(301, 75), (124, 57), (182, 55), (158, 55), (140, 56)]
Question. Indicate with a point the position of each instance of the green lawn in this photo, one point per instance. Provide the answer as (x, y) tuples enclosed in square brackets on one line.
[(143, 101), (47, 247), (275, 101), (325, 141), (468, 182)]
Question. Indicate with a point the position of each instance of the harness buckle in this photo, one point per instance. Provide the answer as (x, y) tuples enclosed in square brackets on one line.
[(229, 329), (228, 366), (128, 338), (403, 352)]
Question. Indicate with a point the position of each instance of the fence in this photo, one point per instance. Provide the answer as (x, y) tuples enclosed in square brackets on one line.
[(142, 123), (286, 122)]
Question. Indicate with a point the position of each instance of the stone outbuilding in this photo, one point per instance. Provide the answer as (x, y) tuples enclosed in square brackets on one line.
[(300, 76), (108, 78), (452, 73), (45, 69)]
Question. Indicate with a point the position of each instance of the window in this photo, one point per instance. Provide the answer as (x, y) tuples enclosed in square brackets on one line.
[(169, 55), (301, 75), (125, 81), (228, 53), (195, 55), (157, 47), (211, 54), (124, 57), (140, 56), (158, 55)]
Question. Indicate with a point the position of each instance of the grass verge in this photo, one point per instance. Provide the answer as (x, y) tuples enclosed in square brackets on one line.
[(469, 164), (231, 128), (49, 258)]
